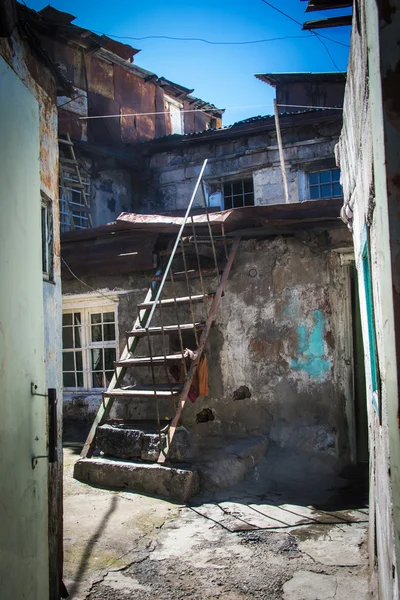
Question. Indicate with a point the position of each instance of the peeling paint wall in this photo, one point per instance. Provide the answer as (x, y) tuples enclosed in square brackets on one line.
[(370, 167), (278, 332), (34, 501), (172, 175)]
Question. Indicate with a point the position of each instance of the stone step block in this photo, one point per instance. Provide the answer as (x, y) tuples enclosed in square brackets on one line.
[(130, 442), (174, 483)]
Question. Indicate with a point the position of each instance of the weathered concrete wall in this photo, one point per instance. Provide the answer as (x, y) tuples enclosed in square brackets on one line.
[(172, 175), (279, 332), (369, 161), (111, 194)]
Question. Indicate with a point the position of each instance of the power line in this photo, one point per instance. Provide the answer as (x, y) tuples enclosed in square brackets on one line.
[(189, 39), (301, 24), (166, 112)]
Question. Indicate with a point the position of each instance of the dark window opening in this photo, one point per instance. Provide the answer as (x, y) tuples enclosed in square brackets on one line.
[(47, 238), (238, 193)]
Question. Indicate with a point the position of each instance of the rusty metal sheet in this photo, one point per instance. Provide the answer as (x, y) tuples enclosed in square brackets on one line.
[(239, 218), (103, 131), (100, 77), (133, 91), (128, 126), (76, 129), (160, 127)]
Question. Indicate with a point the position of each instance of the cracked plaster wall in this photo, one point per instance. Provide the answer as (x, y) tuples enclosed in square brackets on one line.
[(279, 332)]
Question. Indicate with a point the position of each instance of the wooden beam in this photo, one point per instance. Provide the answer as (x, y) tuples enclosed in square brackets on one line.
[(314, 5), (331, 22)]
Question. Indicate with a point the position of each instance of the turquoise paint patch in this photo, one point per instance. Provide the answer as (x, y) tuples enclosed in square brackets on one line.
[(311, 348)]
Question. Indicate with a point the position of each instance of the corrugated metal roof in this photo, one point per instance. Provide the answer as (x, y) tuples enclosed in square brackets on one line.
[(251, 125), (274, 79)]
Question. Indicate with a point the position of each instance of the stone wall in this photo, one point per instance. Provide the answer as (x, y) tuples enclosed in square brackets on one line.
[(171, 175), (275, 353)]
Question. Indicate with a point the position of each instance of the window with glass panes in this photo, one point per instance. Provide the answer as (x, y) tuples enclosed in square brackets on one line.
[(238, 193), (89, 347), (325, 184)]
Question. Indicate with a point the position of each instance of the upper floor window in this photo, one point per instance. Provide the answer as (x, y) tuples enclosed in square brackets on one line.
[(174, 109), (325, 184), (72, 202), (238, 193), (89, 340)]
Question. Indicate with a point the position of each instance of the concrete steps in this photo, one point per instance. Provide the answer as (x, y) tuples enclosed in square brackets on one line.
[(174, 483), (130, 452)]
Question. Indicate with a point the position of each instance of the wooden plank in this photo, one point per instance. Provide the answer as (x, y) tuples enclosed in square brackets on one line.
[(192, 274), (141, 332), (330, 22), (193, 368), (138, 361), (179, 301)]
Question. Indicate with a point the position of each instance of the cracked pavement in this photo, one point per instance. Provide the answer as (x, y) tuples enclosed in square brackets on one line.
[(234, 545)]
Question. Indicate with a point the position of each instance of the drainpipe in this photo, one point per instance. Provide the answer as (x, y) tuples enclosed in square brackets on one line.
[(280, 146)]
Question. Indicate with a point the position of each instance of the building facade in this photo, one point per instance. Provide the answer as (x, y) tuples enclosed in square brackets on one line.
[(369, 162)]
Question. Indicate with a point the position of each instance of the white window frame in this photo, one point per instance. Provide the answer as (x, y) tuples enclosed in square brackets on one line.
[(168, 104), (79, 211), (87, 304)]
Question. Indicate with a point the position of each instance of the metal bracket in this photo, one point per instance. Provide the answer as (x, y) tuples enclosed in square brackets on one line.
[(34, 387)]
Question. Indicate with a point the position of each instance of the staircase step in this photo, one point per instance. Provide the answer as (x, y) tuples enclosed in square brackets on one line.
[(167, 302), (145, 391), (141, 332), (169, 482), (143, 361), (191, 273)]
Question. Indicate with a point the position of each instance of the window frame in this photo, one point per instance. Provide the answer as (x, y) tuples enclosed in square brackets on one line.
[(88, 306), (47, 227), (168, 102), (320, 183), (232, 182), (79, 216)]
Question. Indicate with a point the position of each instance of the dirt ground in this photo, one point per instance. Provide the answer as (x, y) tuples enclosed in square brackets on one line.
[(260, 540)]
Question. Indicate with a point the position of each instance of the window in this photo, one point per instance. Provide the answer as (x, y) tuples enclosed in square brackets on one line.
[(325, 184), (238, 193), (72, 203), (47, 238), (89, 346), (174, 108)]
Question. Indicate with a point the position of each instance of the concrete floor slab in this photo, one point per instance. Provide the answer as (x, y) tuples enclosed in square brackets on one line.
[(122, 545)]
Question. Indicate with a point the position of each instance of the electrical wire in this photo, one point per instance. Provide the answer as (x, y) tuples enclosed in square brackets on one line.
[(80, 280), (190, 39), (315, 33), (301, 24), (166, 112)]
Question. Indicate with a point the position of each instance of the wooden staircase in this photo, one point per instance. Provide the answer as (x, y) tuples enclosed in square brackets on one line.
[(160, 303)]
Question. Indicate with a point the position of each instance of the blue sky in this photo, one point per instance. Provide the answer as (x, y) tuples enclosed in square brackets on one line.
[(220, 74)]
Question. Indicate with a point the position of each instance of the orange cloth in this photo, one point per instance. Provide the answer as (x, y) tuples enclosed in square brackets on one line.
[(200, 379)]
